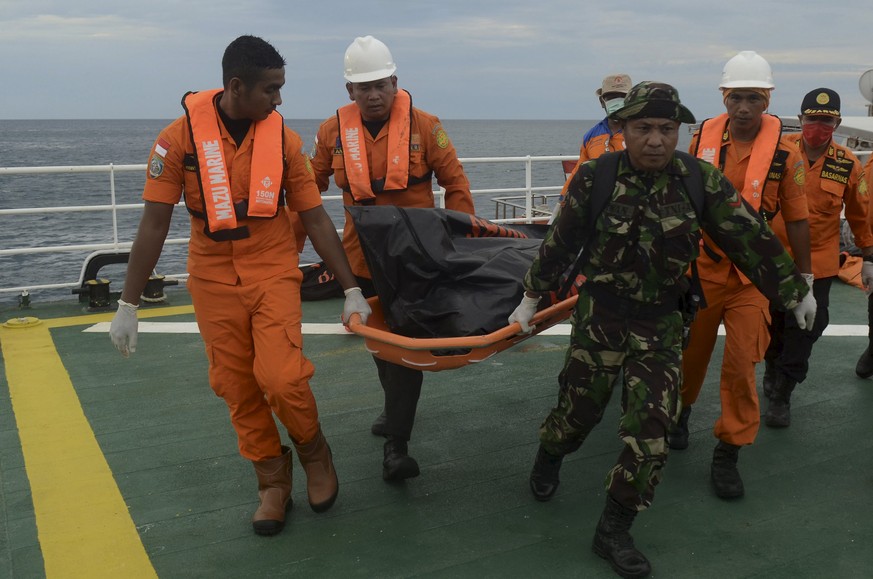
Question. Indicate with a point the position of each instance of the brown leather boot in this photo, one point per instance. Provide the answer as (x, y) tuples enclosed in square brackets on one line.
[(322, 484), (274, 492)]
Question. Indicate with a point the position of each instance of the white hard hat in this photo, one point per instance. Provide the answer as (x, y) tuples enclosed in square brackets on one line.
[(748, 69), (368, 59)]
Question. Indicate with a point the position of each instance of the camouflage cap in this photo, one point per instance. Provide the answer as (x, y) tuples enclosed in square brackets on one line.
[(653, 99)]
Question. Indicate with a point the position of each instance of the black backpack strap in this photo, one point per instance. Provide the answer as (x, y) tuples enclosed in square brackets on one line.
[(605, 170), (693, 182), (694, 187)]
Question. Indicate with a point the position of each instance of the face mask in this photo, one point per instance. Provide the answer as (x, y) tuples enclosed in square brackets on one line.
[(613, 105), (817, 134)]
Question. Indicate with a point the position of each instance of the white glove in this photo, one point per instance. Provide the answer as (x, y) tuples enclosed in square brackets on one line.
[(355, 304), (524, 312), (123, 330), (809, 279), (867, 276), (804, 312)]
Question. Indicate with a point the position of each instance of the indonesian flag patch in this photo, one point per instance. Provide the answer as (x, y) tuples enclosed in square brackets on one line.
[(162, 146)]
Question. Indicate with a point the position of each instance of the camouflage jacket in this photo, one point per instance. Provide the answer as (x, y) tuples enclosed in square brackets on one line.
[(648, 234)]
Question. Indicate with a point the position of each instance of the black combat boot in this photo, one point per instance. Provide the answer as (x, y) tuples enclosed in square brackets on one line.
[(677, 436), (725, 477), (864, 368), (544, 476), (613, 542), (769, 379), (378, 427), (778, 413), (397, 464)]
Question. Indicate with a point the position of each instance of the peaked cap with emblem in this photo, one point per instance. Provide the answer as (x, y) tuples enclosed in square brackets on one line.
[(650, 99), (821, 102)]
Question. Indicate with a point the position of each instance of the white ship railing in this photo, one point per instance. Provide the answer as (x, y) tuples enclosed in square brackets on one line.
[(522, 204)]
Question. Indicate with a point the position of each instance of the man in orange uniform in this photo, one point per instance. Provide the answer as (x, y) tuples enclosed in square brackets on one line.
[(383, 151), (746, 145), (606, 135), (864, 367), (834, 181), (238, 166)]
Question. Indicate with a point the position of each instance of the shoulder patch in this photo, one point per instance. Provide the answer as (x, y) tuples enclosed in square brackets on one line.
[(156, 166), (799, 174), (442, 139), (862, 186)]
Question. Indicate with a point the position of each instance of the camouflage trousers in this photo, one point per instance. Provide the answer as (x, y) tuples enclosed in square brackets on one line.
[(648, 354)]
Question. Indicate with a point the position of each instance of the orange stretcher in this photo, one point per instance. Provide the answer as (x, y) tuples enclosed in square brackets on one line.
[(435, 354)]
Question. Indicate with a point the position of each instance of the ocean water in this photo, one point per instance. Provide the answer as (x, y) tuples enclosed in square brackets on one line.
[(123, 142)]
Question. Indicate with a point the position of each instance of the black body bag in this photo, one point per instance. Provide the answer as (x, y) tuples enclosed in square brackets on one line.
[(441, 273)]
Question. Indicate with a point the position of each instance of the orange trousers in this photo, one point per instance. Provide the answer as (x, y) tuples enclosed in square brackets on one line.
[(744, 312), (254, 341)]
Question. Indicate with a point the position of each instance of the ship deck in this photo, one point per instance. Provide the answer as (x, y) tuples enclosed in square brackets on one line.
[(113, 467)]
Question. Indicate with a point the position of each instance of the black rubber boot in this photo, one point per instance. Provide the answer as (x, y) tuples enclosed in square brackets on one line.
[(544, 479), (613, 542), (398, 465), (864, 367), (778, 414), (769, 380), (677, 436), (378, 427), (725, 477)]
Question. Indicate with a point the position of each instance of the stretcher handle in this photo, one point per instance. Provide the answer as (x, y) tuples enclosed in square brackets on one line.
[(504, 333)]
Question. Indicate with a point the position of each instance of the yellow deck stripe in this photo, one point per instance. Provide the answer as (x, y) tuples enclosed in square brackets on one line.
[(84, 526)]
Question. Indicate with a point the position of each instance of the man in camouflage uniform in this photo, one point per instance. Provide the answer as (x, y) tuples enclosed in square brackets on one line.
[(628, 317)]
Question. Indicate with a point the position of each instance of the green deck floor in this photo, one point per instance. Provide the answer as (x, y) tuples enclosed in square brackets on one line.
[(172, 453)]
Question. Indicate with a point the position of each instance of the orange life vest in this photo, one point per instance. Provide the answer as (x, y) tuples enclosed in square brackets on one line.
[(265, 185), (713, 136), (351, 133)]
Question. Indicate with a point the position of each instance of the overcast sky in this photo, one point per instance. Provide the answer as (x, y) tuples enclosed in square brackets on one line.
[(460, 59)]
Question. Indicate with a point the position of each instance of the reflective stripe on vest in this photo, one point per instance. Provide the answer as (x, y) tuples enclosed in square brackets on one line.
[(351, 132), (265, 184), (714, 134)]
